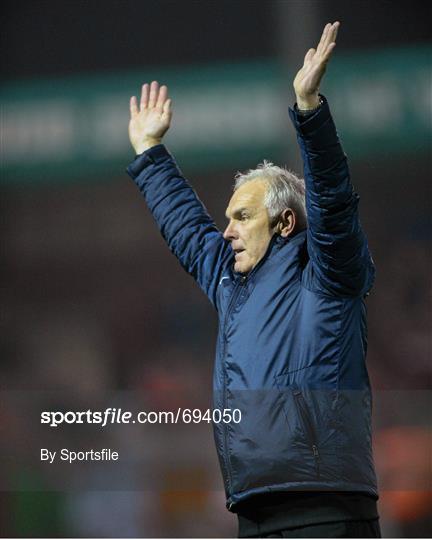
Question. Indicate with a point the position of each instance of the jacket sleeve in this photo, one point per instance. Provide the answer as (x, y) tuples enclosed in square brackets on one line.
[(181, 217), (337, 247)]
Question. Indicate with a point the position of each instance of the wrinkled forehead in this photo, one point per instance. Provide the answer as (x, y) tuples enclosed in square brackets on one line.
[(250, 195)]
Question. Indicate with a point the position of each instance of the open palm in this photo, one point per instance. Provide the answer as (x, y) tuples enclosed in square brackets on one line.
[(150, 121), (307, 81)]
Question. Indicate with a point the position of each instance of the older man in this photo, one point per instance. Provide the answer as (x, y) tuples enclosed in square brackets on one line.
[(288, 278)]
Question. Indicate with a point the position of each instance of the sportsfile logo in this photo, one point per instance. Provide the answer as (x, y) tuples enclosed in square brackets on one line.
[(117, 416)]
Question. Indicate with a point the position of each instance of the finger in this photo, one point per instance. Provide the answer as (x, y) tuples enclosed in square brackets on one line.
[(167, 110), (144, 96), (331, 44), (133, 106), (309, 55), (323, 38), (331, 35), (163, 93), (328, 51), (336, 26), (154, 91)]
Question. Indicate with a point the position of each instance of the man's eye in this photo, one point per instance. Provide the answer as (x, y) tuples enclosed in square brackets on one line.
[(244, 217)]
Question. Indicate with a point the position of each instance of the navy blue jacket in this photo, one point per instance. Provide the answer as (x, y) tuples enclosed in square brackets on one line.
[(292, 333)]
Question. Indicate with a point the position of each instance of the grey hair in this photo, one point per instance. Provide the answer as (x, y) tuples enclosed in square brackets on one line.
[(284, 190)]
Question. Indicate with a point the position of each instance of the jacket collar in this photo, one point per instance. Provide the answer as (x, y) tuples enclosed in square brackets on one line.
[(276, 243)]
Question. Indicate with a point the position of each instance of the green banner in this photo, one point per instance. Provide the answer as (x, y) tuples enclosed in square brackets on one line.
[(230, 115)]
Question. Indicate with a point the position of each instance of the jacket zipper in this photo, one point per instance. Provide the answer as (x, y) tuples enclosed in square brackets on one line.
[(308, 425), (233, 300), (225, 428)]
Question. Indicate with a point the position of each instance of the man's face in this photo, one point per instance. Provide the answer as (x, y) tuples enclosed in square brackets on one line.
[(249, 229)]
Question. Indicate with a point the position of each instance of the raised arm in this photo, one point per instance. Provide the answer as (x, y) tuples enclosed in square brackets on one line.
[(337, 246), (181, 217)]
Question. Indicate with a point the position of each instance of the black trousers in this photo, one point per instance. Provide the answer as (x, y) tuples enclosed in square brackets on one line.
[(338, 529)]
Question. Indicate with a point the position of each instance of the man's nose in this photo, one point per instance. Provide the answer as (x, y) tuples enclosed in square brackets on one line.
[(230, 233)]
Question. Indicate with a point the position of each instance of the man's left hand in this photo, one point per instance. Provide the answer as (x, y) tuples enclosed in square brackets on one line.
[(307, 81)]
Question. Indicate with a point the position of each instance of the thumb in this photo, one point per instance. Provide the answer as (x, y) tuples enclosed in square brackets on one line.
[(309, 55), (167, 110)]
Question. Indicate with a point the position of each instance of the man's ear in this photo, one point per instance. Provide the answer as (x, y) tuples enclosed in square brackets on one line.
[(287, 223)]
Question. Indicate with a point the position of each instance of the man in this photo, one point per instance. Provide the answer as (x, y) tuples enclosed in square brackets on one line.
[(289, 292)]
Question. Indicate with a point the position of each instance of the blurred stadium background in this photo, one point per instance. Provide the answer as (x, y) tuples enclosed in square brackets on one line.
[(95, 308)]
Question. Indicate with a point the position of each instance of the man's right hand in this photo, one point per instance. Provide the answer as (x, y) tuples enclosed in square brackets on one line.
[(151, 120)]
